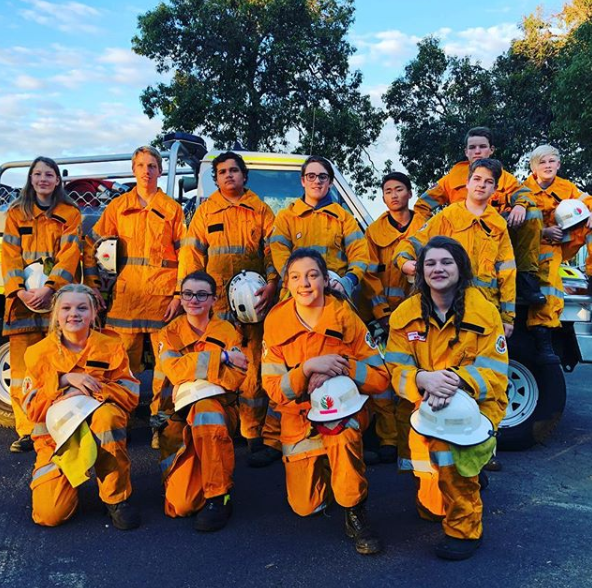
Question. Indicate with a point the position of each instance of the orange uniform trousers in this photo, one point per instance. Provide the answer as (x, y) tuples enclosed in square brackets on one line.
[(197, 456), (384, 407), (54, 499)]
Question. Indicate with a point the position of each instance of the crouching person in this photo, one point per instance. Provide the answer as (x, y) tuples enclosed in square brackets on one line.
[(203, 365), (78, 392), (445, 338), (309, 340)]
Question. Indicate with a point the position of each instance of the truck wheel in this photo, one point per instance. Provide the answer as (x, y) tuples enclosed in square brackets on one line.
[(536, 399), (6, 414)]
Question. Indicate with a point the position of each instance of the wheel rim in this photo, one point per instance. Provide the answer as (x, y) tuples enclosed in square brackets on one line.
[(523, 395), (5, 374)]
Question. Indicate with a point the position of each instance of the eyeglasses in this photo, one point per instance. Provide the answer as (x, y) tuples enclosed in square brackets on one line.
[(201, 296), (311, 177)]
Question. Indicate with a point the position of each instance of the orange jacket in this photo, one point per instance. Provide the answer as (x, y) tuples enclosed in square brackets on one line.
[(148, 267), (186, 355), (331, 230), (383, 239), (225, 238), (288, 344), (453, 188), (480, 358), (486, 240), (56, 237), (104, 358)]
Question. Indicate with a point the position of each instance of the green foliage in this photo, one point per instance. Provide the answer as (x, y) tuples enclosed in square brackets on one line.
[(255, 70)]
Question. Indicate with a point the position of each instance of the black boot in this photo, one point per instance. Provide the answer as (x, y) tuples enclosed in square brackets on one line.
[(215, 514), (264, 458), (357, 527), (22, 444), (543, 341), (527, 286), (124, 516)]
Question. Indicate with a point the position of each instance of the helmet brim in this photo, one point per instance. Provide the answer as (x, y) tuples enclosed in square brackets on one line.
[(316, 417)]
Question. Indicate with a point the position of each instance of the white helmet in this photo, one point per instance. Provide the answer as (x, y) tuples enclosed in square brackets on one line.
[(190, 392), (106, 255), (64, 417), (570, 212), (335, 399), (345, 282), (35, 277), (241, 296), (460, 423)]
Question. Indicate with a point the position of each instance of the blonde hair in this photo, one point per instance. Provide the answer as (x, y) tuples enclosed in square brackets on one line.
[(151, 151), (540, 152), (54, 326)]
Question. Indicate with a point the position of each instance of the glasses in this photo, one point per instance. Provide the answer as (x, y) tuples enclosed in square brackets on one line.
[(311, 177), (201, 296)]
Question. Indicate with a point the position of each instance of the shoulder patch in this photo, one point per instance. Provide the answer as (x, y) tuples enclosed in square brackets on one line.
[(264, 349), (500, 345), (27, 385), (416, 336), (160, 346), (370, 341), (298, 235)]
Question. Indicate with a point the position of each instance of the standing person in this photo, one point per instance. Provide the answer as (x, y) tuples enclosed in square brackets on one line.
[(149, 227), (515, 202), (43, 227), (550, 190), (484, 235), (383, 236), (197, 454), (74, 360), (229, 233), (309, 338), (447, 337)]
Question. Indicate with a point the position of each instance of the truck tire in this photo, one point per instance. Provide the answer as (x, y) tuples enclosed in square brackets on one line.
[(536, 395), (6, 414)]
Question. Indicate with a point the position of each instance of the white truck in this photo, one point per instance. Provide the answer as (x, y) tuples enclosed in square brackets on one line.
[(536, 392)]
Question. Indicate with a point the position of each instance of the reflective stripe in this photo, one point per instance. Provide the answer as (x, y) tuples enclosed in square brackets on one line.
[(226, 316), (91, 271), (479, 283), (27, 399), (191, 242), (274, 414), (17, 381), (507, 306), (114, 436), (70, 239), (35, 255), (158, 375), (361, 372), (133, 387), (62, 273), (505, 265), (286, 387), (12, 240), (208, 418), (319, 249), (433, 204), (169, 354), (416, 465), (16, 273), (50, 467), (379, 300), (355, 236), (281, 239), (500, 367), (227, 250), (388, 394), (550, 291), (302, 447), (533, 213), (417, 246), (373, 267), (254, 402), (545, 256), (358, 264), (201, 368), (39, 430), (166, 463), (373, 360), (400, 358), (394, 292), (474, 372), (165, 263), (441, 458), (36, 323), (524, 195), (403, 384), (404, 255), (135, 323), (273, 369), (94, 236)]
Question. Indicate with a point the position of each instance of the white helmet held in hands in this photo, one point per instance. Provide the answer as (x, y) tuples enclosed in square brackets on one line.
[(35, 277), (241, 296), (335, 399), (106, 255), (190, 392), (570, 213), (346, 283)]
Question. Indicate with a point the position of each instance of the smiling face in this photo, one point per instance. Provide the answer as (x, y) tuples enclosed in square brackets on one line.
[(197, 289), (396, 195), (546, 169), (478, 148), (440, 271), (306, 283), (44, 181), (146, 171), (481, 186), (315, 190), (75, 313)]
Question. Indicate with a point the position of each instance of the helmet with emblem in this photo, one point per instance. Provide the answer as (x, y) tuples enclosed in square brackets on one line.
[(335, 399)]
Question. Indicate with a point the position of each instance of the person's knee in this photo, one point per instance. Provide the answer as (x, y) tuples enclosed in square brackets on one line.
[(51, 514)]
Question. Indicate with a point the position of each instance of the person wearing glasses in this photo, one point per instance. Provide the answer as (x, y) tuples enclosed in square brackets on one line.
[(197, 454), (316, 221)]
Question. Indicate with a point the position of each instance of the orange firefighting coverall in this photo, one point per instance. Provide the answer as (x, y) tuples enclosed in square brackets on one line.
[(552, 254), (148, 271), (197, 455), (223, 239), (104, 358), (480, 359), (453, 188), (486, 240), (317, 465), (57, 238)]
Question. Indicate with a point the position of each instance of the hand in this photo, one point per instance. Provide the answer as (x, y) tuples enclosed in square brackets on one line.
[(266, 294), (508, 330), (553, 234), (437, 402), (409, 268), (43, 297), (316, 381), (85, 383), (440, 383), (69, 393), (172, 310), (517, 217), (238, 359), (99, 298), (330, 365), (27, 298)]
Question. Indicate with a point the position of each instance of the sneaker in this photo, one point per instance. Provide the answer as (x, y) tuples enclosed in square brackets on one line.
[(387, 454), (22, 444), (124, 516), (215, 514), (357, 527), (155, 440), (264, 458), (456, 549)]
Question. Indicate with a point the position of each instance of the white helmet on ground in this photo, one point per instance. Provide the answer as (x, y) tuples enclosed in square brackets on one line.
[(65, 416), (106, 255), (460, 423), (190, 392), (570, 212), (35, 277), (241, 296), (335, 399)]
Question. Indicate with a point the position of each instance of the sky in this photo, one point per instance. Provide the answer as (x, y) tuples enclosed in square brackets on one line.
[(71, 84)]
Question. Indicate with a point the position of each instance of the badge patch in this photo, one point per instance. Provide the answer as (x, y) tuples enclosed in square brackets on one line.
[(27, 385), (415, 336), (160, 346), (500, 345), (370, 341), (263, 349), (298, 235), (327, 404)]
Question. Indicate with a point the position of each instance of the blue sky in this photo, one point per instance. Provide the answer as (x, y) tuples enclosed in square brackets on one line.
[(71, 84)]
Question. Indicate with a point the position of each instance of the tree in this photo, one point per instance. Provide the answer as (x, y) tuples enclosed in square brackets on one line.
[(256, 69)]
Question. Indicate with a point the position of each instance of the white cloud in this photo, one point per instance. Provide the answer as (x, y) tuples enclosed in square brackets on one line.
[(68, 17), (26, 82), (391, 48)]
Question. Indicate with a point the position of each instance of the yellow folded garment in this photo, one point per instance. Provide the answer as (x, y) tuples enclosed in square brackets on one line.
[(469, 461), (77, 455)]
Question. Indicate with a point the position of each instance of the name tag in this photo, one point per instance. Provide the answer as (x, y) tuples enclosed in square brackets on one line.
[(416, 336)]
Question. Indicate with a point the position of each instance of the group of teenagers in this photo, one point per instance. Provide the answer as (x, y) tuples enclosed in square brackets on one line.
[(440, 283)]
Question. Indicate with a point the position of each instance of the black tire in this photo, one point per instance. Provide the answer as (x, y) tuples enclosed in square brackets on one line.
[(536, 396), (6, 414)]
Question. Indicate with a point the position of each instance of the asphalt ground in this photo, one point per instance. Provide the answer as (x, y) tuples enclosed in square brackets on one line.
[(537, 517)]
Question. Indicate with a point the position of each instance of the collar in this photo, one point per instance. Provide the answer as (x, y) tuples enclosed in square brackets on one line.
[(461, 218), (248, 200)]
